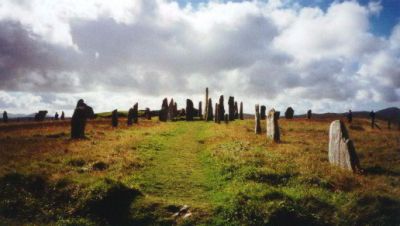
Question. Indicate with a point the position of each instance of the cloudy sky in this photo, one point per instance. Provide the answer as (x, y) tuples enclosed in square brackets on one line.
[(320, 54)]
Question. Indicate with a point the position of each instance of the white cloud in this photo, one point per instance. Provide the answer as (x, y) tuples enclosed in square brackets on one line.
[(276, 52)]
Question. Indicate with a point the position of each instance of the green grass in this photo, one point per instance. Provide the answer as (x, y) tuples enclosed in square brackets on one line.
[(226, 174)]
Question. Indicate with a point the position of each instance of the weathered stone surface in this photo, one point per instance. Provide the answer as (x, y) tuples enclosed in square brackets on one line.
[(273, 132), (226, 119), (241, 111), (257, 128), (56, 116), (130, 117), (40, 116), (206, 112), (236, 110), (341, 149), (189, 110), (147, 114), (289, 113), (210, 115), (221, 109), (135, 113), (231, 108), (200, 112), (263, 110), (171, 110), (78, 121), (163, 115), (309, 114), (114, 118), (5, 117), (216, 114), (62, 115)]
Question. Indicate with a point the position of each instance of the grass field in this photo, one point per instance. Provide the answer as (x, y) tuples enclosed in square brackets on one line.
[(227, 175)]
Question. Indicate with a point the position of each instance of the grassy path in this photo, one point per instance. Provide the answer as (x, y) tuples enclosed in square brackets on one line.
[(175, 173)]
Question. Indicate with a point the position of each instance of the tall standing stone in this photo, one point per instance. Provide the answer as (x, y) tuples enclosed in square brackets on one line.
[(221, 109), (200, 114), (62, 115), (216, 114), (5, 117), (263, 111), (114, 118), (289, 113), (341, 149), (257, 128), (171, 110), (78, 120), (56, 116), (189, 110), (372, 116), (130, 117), (206, 113), (236, 110), (241, 111), (135, 113), (273, 132), (309, 114), (231, 108), (163, 115), (210, 116)]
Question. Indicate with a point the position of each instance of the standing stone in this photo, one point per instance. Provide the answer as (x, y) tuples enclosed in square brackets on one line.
[(372, 116), (273, 126), (56, 116), (216, 114), (231, 108), (341, 149), (289, 113), (309, 114), (163, 115), (171, 110), (130, 117), (200, 114), (226, 118), (350, 116), (147, 114), (175, 109), (236, 110), (189, 110), (210, 116), (114, 118), (62, 115), (257, 128), (206, 106), (135, 114), (40, 116), (78, 120), (221, 109), (241, 111), (5, 117), (263, 110)]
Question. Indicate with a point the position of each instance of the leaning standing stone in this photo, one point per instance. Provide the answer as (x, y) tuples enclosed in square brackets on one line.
[(341, 149), (114, 118), (78, 120), (257, 120), (273, 126)]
